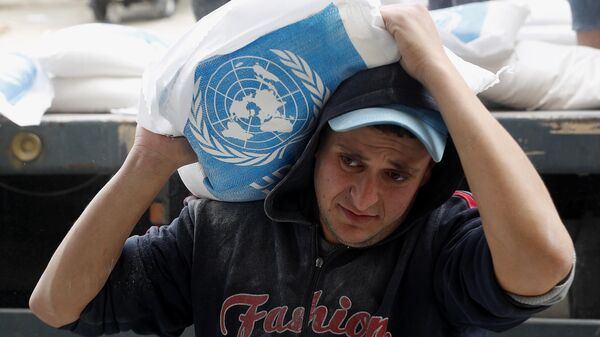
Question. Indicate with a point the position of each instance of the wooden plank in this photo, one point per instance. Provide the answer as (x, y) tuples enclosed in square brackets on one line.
[(557, 141), (70, 144), (564, 142)]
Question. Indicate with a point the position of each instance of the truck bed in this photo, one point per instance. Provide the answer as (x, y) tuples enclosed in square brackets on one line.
[(557, 142), (563, 145)]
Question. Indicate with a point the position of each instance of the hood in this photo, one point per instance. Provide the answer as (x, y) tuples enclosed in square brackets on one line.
[(293, 199)]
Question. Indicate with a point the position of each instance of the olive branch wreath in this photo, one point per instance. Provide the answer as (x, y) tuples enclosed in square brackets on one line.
[(319, 94)]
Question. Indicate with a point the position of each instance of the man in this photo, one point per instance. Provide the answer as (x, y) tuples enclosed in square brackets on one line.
[(586, 22), (362, 238)]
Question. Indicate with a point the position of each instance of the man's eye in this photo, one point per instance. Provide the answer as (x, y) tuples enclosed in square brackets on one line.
[(347, 161), (395, 176)]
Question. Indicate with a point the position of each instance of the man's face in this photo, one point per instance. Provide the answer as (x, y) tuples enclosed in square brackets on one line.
[(365, 182)]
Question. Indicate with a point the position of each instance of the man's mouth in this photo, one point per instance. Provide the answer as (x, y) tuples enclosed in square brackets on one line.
[(356, 216)]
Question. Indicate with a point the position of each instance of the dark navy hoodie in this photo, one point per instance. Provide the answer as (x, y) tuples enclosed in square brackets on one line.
[(255, 269)]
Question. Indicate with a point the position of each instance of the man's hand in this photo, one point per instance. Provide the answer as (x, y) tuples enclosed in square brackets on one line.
[(530, 247), (417, 38), (172, 152)]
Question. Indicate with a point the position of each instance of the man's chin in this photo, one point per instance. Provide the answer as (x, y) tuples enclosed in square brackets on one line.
[(357, 240), (350, 235), (360, 244)]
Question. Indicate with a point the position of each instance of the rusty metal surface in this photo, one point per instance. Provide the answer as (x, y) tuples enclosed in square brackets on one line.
[(70, 144), (555, 141), (544, 327)]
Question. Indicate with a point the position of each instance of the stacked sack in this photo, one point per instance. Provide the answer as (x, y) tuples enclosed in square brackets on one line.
[(25, 91), (537, 71), (482, 32), (97, 67), (549, 21), (246, 84)]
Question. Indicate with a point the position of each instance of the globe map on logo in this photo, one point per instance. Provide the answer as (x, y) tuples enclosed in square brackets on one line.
[(253, 103)]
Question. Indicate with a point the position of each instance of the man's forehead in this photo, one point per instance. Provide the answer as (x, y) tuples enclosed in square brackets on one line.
[(368, 143)]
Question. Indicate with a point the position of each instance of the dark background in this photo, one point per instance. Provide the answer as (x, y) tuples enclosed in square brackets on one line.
[(36, 211)]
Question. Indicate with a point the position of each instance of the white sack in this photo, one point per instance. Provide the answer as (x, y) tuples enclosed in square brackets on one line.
[(246, 84), (98, 49), (559, 34), (549, 77), (480, 32), (95, 94), (25, 91), (546, 12), (549, 21)]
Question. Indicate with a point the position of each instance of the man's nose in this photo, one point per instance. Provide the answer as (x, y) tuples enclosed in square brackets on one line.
[(364, 192)]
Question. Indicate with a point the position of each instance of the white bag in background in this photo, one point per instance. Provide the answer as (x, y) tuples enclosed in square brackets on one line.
[(549, 77), (246, 85), (560, 34), (25, 91), (549, 21), (545, 12), (95, 94), (98, 49), (480, 32)]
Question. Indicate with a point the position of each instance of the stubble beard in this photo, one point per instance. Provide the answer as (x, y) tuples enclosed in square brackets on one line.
[(362, 244)]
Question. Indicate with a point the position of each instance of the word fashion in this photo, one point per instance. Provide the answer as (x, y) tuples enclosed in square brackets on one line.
[(360, 324)]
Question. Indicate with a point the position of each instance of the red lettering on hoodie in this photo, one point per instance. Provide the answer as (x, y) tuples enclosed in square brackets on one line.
[(360, 324)]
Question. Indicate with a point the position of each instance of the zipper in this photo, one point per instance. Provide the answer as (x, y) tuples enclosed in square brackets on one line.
[(314, 276), (320, 262)]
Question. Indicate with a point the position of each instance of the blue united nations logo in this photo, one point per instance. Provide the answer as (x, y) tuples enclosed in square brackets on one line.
[(251, 109), (254, 104)]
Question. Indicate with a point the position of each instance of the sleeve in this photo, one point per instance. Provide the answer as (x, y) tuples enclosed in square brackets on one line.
[(465, 283), (148, 290), (555, 295), (584, 14)]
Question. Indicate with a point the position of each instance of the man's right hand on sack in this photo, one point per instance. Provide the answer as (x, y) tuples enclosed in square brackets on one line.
[(417, 39), (168, 152)]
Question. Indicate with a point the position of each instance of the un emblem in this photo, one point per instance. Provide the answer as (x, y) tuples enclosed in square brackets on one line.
[(252, 109)]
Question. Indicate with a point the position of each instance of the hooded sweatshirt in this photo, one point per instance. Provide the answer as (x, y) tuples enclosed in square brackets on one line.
[(263, 268)]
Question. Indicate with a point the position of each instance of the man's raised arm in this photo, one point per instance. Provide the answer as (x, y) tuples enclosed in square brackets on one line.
[(530, 247), (83, 261)]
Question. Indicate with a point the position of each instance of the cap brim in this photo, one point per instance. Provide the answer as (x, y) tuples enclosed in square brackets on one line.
[(426, 125)]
